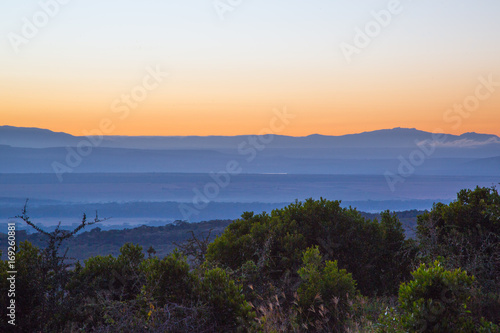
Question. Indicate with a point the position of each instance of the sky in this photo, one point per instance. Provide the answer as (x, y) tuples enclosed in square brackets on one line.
[(226, 67)]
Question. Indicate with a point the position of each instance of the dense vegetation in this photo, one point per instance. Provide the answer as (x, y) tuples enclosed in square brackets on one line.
[(312, 266)]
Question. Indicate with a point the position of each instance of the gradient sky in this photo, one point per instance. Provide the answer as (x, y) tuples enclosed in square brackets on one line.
[(227, 76)]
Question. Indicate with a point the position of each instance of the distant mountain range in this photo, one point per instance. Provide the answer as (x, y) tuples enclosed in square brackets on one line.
[(23, 137), (34, 150)]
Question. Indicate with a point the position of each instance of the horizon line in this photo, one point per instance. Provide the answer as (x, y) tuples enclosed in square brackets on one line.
[(238, 135)]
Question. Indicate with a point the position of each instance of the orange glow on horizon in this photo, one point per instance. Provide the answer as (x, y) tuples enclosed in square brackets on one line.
[(207, 125), (355, 102)]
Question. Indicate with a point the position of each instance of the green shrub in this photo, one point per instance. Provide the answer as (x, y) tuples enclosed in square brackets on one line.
[(466, 234), (390, 322), (437, 301), (324, 284), (226, 301), (169, 279), (109, 277), (371, 251)]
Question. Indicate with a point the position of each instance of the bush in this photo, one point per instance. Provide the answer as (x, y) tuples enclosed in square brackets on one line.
[(109, 277), (435, 301), (371, 251), (324, 284), (466, 234), (42, 297), (226, 301), (169, 279)]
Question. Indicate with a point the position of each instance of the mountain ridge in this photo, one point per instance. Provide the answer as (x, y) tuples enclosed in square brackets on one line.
[(32, 137)]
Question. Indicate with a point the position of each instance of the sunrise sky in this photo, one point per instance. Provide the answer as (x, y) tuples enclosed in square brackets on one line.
[(227, 75)]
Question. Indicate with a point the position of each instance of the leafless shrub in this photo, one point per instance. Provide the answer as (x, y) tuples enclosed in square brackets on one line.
[(195, 248)]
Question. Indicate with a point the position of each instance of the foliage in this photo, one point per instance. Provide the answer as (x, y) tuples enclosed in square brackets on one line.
[(390, 322), (475, 211), (275, 243), (311, 266), (225, 298), (42, 301), (324, 286), (169, 279), (436, 300), (466, 234)]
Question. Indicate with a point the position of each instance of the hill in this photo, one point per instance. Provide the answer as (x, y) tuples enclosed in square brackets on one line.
[(28, 150), (386, 138)]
